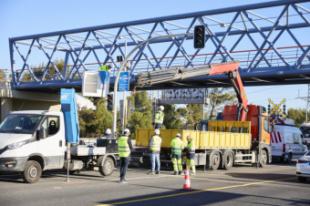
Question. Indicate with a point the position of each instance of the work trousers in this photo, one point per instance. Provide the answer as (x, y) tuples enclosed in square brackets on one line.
[(157, 125), (177, 163), (155, 161), (190, 165), (124, 161)]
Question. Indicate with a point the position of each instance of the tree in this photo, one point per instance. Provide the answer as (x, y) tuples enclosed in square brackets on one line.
[(194, 113), (141, 116), (38, 71), (87, 123), (298, 115), (219, 97), (94, 123), (172, 118), (103, 117)]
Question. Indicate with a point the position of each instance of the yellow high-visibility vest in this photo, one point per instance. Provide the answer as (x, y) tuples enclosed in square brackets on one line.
[(155, 143), (191, 147), (123, 147), (159, 117), (176, 146)]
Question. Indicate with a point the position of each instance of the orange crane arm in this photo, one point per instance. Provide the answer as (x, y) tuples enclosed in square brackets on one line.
[(231, 69)]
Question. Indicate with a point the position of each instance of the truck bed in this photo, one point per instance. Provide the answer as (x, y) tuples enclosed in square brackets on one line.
[(84, 150)]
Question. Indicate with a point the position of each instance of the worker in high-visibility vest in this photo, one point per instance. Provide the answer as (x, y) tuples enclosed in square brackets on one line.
[(104, 68), (154, 146), (159, 117), (190, 155), (107, 134), (176, 154), (124, 149)]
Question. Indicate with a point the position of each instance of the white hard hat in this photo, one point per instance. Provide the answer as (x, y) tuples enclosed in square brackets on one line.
[(108, 131), (157, 131), (178, 135), (162, 108), (126, 131)]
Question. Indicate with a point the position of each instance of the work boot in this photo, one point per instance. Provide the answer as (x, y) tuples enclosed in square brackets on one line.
[(175, 173), (157, 172), (151, 173), (123, 181), (180, 172)]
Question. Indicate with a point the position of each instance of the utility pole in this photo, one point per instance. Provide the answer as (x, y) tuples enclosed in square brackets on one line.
[(307, 99), (122, 68)]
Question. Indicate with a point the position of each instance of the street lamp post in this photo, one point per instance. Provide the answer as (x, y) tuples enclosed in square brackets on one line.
[(122, 67)]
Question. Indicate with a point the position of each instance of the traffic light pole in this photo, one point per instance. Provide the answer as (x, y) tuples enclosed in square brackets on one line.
[(121, 69)]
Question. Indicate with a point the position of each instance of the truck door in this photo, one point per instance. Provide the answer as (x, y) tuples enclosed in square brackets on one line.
[(52, 146)]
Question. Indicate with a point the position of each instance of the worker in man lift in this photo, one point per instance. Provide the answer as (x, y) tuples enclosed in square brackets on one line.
[(176, 154), (190, 155), (124, 150), (159, 117), (104, 68), (154, 146)]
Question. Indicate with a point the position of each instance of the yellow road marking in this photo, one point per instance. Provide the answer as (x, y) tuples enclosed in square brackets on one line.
[(193, 192)]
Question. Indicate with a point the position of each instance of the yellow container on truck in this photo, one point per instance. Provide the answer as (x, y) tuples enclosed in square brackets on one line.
[(224, 144), (217, 138)]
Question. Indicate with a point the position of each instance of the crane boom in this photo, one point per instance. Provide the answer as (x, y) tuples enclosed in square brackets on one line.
[(231, 69)]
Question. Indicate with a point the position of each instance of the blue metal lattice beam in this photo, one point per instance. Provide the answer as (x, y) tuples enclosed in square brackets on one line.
[(269, 39)]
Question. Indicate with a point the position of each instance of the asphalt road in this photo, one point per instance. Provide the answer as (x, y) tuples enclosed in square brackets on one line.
[(272, 185)]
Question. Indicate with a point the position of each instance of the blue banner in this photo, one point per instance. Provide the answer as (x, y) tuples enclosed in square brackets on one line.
[(69, 109), (105, 81), (123, 84), (104, 76)]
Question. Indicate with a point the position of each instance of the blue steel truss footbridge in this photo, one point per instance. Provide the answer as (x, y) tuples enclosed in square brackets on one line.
[(271, 41)]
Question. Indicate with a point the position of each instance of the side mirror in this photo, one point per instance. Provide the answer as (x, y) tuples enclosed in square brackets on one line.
[(41, 133)]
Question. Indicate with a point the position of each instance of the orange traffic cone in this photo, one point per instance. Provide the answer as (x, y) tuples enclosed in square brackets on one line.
[(187, 184)]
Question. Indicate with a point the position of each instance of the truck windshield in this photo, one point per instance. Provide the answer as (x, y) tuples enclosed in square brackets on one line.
[(20, 123), (305, 131)]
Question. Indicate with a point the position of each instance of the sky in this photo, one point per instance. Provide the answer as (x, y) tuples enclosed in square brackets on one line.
[(26, 17)]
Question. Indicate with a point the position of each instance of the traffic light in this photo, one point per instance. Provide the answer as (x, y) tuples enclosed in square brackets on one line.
[(199, 37), (284, 109), (110, 102), (119, 59), (269, 109)]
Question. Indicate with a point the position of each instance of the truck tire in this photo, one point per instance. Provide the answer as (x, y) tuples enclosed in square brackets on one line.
[(74, 172), (228, 160), (106, 167), (32, 171), (264, 158), (215, 160), (302, 179)]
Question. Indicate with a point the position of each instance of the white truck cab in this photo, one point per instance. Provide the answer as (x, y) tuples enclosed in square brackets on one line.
[(31, 137), (286, 142), (34, 141)]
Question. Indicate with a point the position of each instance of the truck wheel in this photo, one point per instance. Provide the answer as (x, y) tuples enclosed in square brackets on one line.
[(215, 160), (302, 179), (107, 167), (263, 158), (32, 172), (228, 160), (74, 172)]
